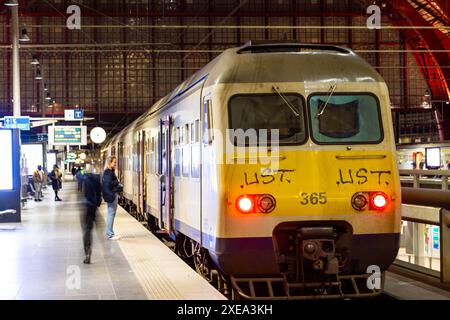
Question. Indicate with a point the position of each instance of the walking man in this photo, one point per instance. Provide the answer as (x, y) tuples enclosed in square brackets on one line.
[(38, 180), (111, 187), (93, 195)]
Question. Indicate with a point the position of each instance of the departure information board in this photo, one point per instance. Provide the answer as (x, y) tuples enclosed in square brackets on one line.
[(67, 135)]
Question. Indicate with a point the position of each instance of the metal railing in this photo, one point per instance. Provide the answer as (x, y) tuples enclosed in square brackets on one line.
[(425, 242)]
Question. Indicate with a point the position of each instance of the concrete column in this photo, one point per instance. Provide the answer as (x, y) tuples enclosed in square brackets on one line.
[(15, 60)]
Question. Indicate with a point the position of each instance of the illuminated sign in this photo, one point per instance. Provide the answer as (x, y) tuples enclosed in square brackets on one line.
[(6, 168), (22, 123), (74, 115), (433, 157), (67, 135), (33, 155)]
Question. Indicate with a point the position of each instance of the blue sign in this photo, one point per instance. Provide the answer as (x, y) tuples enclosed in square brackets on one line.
[(79, 114), (22, 123), (42, 137)]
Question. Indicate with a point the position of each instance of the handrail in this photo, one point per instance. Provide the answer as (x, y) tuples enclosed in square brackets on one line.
[(417, 174), (426, 197)]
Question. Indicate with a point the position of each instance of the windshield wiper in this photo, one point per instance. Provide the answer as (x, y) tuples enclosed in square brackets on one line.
[(331, 92), (277, 90)]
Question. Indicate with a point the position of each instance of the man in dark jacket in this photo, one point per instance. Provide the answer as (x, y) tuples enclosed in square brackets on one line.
[(111, 187), (93, 195)]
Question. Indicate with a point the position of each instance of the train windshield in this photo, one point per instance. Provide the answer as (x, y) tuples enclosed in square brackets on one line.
[(347, 118), (256, 112)]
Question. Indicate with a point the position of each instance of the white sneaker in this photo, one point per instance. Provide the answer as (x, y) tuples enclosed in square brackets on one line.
[(114, 238)]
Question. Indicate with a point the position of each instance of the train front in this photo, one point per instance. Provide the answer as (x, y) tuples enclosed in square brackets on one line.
[(317, 215)]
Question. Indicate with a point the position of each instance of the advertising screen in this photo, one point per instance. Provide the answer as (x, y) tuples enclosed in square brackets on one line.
[(33, 155), (6, 169), (433, 157)]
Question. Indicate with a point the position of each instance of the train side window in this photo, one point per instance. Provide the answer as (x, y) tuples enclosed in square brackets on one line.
[(207, 122), (197, 131), (186, 134)]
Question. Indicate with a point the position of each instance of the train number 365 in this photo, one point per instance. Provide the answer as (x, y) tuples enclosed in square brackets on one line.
[(314, 198)]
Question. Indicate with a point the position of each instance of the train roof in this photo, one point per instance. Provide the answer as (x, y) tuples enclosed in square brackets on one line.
[(276, 63), (280, 62)]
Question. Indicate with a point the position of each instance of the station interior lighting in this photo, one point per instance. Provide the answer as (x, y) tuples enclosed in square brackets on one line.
[(11, 3), (24, 36), (35, 60), (38, 74)]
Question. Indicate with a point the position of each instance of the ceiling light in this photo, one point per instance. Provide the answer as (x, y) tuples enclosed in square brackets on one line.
[(35, 60), (11, 3), (24, 37)]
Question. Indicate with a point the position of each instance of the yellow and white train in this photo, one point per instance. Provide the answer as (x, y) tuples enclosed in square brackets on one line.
[(323, 222)]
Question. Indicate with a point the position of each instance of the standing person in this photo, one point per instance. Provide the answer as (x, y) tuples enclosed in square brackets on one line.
[(93, 195), (111, 187), (56, 177), (38, 180)]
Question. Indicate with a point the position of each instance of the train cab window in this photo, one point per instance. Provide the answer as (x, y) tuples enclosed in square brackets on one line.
[(284, 113), (346, 118)]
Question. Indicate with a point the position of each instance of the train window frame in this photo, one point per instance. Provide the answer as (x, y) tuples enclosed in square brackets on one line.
[(346, 93), (207, 117), (288, 93)]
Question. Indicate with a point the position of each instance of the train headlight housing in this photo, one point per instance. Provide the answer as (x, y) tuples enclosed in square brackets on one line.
[(266, 203), (359, 201), (256, 203)]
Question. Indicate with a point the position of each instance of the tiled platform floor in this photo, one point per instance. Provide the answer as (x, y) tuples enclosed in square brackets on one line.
[(41, 258)]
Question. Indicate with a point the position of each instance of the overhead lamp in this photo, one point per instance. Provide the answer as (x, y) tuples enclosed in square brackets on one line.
[(427, 93), (35, 60), (38, 74), (45, 87), (24, 37), (48, 97), (11, 3)]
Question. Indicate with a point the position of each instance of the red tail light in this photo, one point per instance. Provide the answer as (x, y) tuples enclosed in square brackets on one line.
[(245, 204), (256, 203), (379, 200)]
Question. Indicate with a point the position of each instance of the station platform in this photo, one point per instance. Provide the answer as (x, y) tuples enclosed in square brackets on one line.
[(41, 258)]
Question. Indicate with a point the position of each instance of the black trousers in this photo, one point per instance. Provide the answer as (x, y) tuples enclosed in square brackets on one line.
[(87, 224)]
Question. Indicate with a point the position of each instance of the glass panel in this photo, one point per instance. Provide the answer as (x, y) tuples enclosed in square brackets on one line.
[(346, 118), (420, 245), (270, 112)]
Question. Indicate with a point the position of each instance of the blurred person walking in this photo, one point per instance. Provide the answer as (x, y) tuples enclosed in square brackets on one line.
[(111, 187), (56, 177), (80, 178), (93, 196)]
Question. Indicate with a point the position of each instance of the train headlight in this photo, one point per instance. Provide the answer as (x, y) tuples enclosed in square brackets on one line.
[(256, 203), (359, 201), (245, 204), (379, 200)]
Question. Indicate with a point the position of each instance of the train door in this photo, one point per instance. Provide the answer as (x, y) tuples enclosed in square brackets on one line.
[(142, 150), (165, 175)]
